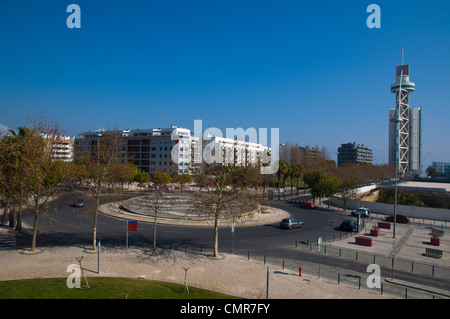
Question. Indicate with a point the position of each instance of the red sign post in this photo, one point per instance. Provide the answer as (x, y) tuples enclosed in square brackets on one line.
[(131, 226)]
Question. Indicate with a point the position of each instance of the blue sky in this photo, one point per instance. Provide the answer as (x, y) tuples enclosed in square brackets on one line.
[(313, 69)]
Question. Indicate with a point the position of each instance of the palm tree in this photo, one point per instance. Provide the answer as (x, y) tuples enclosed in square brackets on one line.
[(290, 173), (296, 172), (13, 168), (282, 170)]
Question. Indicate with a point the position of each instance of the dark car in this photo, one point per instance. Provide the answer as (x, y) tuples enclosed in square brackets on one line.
[(78, 202), (290, 223), (348, 225), (399, 219), (307, 205)]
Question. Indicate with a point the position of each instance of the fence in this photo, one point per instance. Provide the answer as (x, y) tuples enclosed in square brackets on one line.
[(339, 265), (349, 267), (438, 214)]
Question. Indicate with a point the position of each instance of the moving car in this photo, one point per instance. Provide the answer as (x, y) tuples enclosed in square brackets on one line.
[(399, 219), (363, 212), (348, 225), (307, 205), (78, 202), (290, 223)]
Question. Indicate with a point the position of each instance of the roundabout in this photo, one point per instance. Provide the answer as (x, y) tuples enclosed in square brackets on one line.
[(175, 210)]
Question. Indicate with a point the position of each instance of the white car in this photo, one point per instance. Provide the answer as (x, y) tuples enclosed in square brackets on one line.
[(363, 212)]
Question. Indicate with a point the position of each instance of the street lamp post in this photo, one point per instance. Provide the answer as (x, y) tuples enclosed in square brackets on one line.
[(397, 120), (281, 158)]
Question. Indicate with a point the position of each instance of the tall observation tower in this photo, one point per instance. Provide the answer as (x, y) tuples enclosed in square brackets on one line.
[(404, 126)]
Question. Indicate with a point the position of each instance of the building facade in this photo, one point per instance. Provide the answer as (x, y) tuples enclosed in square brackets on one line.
[(175, 150), (352, 153), (442, 168), (62, 147)]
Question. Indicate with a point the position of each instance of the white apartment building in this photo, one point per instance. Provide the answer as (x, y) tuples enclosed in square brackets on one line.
[(62, 147), (175, 150), (230, 151)]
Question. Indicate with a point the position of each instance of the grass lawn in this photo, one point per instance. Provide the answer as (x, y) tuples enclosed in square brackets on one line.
[(101, 288)]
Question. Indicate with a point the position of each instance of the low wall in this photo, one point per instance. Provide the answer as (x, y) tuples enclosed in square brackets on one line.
[(388, 209)]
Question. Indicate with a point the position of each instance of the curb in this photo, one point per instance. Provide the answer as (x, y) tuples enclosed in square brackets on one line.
[(122, 214), (406, 284)]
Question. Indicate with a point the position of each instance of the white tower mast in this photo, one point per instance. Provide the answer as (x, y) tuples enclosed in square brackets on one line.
[(401, 88)]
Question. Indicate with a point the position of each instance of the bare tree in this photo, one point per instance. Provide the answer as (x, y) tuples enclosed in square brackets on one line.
[(102, 160), (156, 201), (224, 200)]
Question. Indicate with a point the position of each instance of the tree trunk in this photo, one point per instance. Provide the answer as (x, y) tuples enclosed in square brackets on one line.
[(94, 235), (216, 236), (5, 213), (279, 186), (291, 186), (19, 219), (154, 235), (33, 240)]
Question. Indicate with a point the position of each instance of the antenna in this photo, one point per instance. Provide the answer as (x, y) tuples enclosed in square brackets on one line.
[(402, 56)]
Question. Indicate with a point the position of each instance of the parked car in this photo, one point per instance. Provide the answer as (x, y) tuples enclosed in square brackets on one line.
[(363, 212), (307, 205), (78, 202), (290, 223), (348, 225), (399, 219)]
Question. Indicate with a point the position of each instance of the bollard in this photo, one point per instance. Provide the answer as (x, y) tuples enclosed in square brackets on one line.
[(98, 258), (300, 271), (283, 264), (339, 278)]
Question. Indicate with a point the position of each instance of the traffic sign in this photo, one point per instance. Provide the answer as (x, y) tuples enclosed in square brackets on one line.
[(132, 225)]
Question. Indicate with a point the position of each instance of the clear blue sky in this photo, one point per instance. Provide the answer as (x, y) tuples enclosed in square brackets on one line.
[(313, 69)]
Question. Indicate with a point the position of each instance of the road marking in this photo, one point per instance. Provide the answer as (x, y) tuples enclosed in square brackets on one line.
[(78, 227)]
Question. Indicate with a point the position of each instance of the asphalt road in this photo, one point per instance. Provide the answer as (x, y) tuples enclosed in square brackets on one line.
[(67, 225)]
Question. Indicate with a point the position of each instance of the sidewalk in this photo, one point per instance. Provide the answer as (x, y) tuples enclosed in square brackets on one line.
[(229, 274), (410, 243)]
